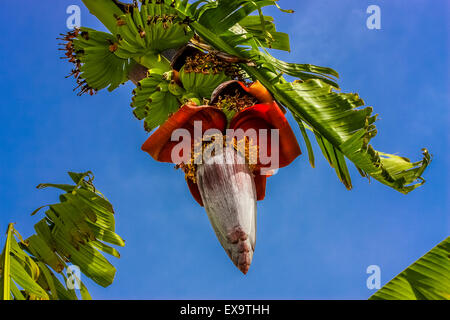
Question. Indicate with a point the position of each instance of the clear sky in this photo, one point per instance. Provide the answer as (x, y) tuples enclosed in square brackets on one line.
[(315, 238)]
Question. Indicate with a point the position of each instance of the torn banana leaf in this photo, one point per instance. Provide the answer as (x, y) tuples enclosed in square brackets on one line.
[(76, 231)]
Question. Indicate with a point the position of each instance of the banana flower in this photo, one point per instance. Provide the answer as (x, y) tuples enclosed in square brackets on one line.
[(225, 182)]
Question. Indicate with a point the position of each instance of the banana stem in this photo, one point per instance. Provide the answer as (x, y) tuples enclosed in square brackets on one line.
[(154, 61)]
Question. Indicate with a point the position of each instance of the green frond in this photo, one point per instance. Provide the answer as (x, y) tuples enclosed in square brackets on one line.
[(77, 230), (343, 127)]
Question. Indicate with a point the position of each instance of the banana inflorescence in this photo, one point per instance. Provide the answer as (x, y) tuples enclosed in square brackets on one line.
[(172, 90)]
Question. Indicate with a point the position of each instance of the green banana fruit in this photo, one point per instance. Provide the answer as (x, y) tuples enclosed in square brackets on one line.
[(156, 97), (96, 64), (151, 28)]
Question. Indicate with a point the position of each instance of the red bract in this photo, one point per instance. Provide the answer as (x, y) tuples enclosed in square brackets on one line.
[(264, 115)]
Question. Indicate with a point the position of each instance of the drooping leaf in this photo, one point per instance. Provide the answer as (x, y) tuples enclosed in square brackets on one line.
[(336, 160), (71, 227), (338, 118), (307, 141)]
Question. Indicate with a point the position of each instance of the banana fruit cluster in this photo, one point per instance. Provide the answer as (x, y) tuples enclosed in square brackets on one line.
[(141, 32), (152, 27), (156, 97), (194, 77), (95, 65), (202, 84)]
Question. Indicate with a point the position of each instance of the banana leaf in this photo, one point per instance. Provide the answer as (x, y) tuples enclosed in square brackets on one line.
[(426, 279), (76, 231)]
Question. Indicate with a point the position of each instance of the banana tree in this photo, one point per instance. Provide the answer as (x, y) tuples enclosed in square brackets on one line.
[(70, 238), (204, 67)]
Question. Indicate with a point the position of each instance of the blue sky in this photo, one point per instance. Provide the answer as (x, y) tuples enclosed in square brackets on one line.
[(315, 238)]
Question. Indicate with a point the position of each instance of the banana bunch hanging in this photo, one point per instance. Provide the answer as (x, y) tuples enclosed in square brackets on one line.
[(202, 67), (155, 97), (153, 27), (95, 65), (140, 34), (193, 78)]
